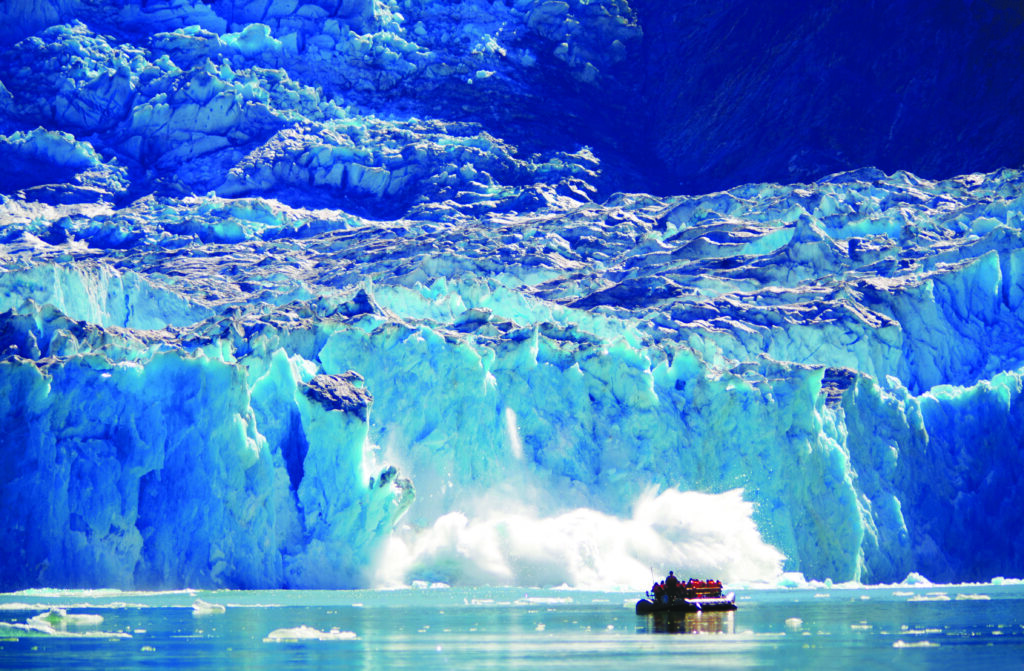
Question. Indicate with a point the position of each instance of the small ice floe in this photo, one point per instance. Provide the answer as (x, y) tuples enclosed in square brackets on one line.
[(914, 644), (200, 607), (931, 596), (13, 630), (973, 597), (794, 623), (55, 623), (307, 633), (58, 618)]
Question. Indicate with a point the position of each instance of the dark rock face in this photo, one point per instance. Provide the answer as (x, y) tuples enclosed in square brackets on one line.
[(670, 97), (339, 392), (744, 91)]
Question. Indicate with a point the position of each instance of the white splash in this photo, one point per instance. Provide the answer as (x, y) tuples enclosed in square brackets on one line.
[(694, 534)]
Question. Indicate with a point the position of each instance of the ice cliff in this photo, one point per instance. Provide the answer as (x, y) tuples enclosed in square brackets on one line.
[(334, 293)]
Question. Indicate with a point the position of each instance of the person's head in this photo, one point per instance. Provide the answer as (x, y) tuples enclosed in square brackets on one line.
[(670, 573)]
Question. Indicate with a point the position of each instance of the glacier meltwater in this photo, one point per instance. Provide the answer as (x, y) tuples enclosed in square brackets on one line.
[(353, 294)]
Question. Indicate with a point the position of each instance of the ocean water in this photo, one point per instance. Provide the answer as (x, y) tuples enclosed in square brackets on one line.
[(965, 626)]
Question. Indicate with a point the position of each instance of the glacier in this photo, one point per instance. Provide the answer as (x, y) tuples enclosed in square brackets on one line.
[(364, 292)]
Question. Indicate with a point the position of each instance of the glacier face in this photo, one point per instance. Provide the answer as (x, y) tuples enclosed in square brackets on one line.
[(332, 294)]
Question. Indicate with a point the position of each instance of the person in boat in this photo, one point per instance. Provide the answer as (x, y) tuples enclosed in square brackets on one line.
[(671, 583), (658, 590)]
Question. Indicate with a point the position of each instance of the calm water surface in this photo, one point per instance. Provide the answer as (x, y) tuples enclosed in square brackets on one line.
[(838, 628)]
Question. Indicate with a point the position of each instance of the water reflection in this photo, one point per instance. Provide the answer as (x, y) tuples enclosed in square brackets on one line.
[(722, 622)]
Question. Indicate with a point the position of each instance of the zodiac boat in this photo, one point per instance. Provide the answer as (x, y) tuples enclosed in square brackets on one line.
[(688, 598)]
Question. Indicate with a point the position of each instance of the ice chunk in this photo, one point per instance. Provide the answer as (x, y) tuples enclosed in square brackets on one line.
[(59, 618), (200, 608), (307, 633)]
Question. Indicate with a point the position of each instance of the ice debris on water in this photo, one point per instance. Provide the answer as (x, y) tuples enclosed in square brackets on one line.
[(58, 623), (307, 633), (59, 618), (200, 607)]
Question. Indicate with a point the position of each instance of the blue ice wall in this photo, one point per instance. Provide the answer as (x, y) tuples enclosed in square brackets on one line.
[(172, 468), (292, 293)]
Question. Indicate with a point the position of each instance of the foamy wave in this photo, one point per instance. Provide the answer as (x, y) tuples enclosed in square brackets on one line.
[(110, 605), (692, 533), (101, 593)]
